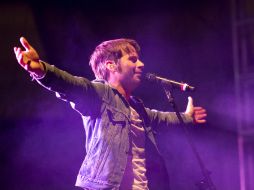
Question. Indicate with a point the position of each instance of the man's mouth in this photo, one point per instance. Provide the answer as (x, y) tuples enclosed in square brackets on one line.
[(139, 72)]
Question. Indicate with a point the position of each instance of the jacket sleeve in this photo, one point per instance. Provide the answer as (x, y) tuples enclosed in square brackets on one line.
[(159, 118), (82, 94)]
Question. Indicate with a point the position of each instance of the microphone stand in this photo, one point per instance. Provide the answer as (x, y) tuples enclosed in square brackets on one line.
[(206, 182)]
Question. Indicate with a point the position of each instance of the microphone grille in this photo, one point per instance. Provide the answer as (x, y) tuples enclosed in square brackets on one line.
[(150, 76)]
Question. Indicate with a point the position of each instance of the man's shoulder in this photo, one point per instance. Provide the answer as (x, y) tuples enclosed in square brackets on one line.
[(103, 88), (102, 81)]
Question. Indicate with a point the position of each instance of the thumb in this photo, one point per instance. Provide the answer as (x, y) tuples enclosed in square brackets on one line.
[(25, 43), (190, 107)]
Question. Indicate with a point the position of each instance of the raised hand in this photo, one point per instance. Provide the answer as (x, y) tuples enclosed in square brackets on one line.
[(29, 58), (197, 113)]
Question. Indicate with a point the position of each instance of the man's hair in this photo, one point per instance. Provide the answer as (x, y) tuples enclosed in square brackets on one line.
[(111, 50)]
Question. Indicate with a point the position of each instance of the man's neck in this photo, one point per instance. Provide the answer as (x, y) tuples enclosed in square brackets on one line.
[(125, 93)]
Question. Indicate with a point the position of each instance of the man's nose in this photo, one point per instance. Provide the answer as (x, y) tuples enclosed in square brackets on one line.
[(140, 64)]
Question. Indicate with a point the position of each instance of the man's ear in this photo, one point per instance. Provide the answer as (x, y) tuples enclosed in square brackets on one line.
[(111, 66)]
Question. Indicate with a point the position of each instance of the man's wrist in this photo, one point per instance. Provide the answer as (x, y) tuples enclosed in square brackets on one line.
[(41, 72)]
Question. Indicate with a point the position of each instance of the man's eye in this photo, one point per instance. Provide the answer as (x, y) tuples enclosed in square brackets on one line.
[(133, 59)]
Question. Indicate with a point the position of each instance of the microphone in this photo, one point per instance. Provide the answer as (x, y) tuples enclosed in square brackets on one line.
[(178, 85)]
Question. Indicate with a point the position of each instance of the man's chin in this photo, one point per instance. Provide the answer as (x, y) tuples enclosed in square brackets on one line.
[(137, 82), (138, 77)]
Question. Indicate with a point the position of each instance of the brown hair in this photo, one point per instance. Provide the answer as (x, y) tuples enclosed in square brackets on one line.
[(111, 50)]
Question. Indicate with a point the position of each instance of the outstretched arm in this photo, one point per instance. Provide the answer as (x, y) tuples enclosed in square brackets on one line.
[(78, 90), (191, 115), (29, 59)]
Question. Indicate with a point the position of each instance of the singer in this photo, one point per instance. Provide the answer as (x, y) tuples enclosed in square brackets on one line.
[(118, 127)]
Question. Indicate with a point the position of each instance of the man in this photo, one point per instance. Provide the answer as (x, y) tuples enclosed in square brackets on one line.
[(117, 125)]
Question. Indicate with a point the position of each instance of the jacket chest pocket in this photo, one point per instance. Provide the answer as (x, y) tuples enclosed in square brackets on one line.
[(116, 118)]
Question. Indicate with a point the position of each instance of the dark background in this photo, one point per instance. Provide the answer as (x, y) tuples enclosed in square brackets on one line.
[(42, 138)]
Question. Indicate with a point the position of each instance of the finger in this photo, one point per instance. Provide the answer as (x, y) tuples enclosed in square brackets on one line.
[(199, 111), (19, 57), (198, 108), (18, 53), (190, 101), (189, 107), (200, 121), (201, 116), (18, 50), (15, 51), (25, 43)]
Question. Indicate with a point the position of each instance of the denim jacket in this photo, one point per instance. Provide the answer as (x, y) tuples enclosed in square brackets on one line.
[(106, 118)]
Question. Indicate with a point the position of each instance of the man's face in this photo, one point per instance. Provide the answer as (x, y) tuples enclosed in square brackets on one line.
[(129, 70)]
